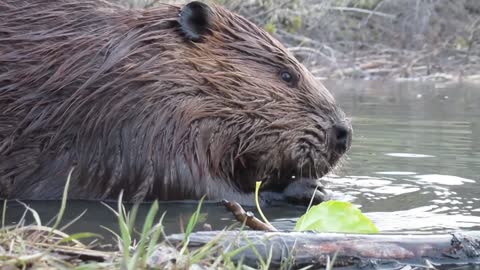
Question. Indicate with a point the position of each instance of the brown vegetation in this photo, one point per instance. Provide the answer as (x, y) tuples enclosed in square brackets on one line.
[(415, 39)]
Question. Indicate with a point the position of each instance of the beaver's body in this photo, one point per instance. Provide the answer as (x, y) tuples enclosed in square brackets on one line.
[(155, 104)]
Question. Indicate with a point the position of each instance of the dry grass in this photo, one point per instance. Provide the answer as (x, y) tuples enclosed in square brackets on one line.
[(37, 246)]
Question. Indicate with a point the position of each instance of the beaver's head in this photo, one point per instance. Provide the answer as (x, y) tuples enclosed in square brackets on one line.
[(257, 114)]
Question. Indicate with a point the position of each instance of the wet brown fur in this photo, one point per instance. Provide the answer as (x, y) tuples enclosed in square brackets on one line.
[(123, 97)]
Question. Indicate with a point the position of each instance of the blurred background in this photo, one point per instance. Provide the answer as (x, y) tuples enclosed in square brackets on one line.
[(370, 39)]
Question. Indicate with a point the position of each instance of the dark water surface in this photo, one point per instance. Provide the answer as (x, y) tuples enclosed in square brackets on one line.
[(414, 165)]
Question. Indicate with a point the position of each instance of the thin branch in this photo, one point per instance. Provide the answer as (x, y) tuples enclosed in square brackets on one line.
[(247, 217), (361, 10)]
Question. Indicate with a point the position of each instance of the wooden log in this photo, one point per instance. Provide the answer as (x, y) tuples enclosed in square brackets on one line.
[(301, 249)]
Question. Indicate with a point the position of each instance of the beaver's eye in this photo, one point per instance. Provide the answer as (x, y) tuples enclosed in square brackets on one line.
[(286, 76), (289, 77)]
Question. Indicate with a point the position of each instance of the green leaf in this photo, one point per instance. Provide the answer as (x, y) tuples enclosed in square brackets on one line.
[(335, 216)]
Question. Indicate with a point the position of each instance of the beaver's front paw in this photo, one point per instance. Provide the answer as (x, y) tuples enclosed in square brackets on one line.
[(304, 191)]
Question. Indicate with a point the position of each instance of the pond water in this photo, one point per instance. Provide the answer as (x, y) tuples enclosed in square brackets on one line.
[(415, 161), (413, 167)]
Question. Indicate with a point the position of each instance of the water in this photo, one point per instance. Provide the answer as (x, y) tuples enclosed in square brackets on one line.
[(413, 167), (415, 160)]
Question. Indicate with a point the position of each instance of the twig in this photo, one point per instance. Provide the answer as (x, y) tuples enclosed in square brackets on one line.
[(361, 10), (247, 217), (365, 21), (308, 50), (267, 12)]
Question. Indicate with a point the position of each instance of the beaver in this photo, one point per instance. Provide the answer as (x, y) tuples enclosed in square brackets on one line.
[(168, 103)]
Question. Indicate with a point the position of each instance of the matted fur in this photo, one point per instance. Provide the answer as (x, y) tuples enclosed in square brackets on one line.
[(125, 99)]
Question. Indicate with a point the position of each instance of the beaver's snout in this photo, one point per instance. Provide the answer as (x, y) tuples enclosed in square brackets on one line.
[(340, 138)]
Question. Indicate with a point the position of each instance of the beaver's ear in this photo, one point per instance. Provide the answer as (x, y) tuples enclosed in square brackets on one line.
[(195, 20)]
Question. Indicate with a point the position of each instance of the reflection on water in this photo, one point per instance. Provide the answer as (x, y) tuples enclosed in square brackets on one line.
[(415, 160), (413, 167)]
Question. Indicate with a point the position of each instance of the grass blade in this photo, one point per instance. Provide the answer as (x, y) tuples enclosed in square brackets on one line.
[(64, 201)]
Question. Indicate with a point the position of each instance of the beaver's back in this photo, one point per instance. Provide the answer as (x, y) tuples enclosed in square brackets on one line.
[(60, 65)]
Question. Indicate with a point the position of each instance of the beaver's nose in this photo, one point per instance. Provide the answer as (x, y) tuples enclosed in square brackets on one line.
[(341, 137)]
